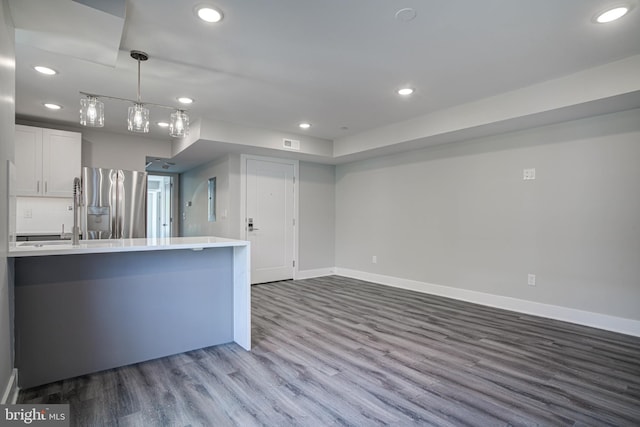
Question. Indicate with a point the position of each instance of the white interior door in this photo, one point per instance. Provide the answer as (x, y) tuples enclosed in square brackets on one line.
[(270, 219)]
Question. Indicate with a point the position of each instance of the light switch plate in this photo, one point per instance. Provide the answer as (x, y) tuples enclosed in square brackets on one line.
[(529, 174)]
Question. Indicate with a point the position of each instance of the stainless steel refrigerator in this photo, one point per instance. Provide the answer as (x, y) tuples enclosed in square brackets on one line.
[(114, 204)]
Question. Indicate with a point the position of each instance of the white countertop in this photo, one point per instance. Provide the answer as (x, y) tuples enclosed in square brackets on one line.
[(64, 247)]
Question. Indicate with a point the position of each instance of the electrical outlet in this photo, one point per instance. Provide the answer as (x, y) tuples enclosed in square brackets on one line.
[(531, 279), (374, 259), (528, 174), (28, 213)]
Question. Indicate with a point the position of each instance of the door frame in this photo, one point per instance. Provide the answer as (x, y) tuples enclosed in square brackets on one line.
[(176, 224), (243, 200)]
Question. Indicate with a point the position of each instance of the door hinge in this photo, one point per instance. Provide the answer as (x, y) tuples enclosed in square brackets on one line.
[(294, 179), (294, 263), (294, 222)]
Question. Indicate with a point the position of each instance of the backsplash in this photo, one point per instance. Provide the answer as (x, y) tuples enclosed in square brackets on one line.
[(43, 215)]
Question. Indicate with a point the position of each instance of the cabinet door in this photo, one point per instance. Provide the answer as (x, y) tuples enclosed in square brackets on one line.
[(61, 152), (28, 161)]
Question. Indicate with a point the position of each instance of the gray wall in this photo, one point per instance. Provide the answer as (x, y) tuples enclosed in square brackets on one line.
[(194, 188), (7, 117), (317, 216), (317, 207), (460, 215)]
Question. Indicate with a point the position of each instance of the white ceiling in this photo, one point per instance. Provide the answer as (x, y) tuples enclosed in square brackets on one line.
[(333, 63)]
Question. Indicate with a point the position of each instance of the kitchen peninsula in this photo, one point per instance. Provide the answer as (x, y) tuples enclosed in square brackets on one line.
[(109, 303)]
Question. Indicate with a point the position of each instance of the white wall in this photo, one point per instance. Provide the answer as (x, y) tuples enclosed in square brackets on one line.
[(317, 216), (461, 216), (206, 135), (43, 215), (110, 150), (7, 130)]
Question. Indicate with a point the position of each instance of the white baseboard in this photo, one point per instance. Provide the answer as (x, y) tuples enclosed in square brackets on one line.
[(571, 315), (10, 395), (318, 272)]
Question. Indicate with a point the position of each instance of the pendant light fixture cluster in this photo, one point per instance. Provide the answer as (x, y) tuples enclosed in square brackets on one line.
[(92, 109)]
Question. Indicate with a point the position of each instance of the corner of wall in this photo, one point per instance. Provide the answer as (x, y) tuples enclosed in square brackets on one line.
[(11, 391), (7, 135)]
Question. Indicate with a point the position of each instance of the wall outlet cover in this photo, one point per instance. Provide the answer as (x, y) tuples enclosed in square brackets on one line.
[(529, 174)]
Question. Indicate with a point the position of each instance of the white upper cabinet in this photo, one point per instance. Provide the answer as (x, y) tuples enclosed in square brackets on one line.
[(47, 161), (28, 160)]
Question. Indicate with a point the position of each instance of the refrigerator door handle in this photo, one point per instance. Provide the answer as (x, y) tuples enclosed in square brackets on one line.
[(117, 200)]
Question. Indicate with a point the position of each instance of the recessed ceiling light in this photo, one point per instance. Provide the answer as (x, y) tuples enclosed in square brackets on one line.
[(304, 125), (52, 106), (45, 70), (163, 125), (405, 91), (185, 100), (612, 14), (209, 14)]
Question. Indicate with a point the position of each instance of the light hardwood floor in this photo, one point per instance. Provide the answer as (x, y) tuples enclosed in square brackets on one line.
[(338, 351)]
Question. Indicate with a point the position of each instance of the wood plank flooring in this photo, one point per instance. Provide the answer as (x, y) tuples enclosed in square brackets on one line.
[(338, 351)]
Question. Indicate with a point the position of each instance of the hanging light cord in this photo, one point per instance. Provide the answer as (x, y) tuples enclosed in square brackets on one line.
[(139, 97), (138, 56)]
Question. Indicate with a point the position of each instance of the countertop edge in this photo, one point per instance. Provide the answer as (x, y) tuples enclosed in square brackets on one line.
[(126, 245)]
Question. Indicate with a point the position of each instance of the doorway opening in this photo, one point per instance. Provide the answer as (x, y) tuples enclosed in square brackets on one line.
[(159, 206)]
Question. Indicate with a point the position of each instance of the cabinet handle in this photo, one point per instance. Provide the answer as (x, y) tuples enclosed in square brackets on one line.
[(45, 187), (37, 186)]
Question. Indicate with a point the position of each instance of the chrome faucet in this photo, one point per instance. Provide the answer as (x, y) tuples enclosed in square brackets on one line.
[(75, 240), (63, 235)]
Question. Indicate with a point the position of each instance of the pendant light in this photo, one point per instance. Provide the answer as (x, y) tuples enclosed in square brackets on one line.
[(91, 112), (92, 109), (179, 124), (138, 118)]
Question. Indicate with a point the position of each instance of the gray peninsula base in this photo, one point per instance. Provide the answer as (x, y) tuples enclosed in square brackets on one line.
[(78, 314)]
